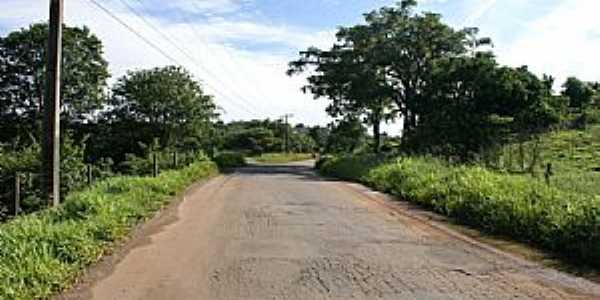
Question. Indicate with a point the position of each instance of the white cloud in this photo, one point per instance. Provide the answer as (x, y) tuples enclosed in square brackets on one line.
[(477, 10), (206, 6), (256, 76), (562, 43)]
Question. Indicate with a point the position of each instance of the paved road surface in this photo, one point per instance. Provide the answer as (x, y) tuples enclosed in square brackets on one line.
[(283, 233)]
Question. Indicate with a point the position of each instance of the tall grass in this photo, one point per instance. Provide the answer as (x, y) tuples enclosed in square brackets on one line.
[(522, 207), (43, 253)]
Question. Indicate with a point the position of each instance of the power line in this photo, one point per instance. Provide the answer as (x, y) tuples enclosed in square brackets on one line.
[(160, 50), (183, 51), (193, 27), (139, 35), (156, 47), (228, 52)]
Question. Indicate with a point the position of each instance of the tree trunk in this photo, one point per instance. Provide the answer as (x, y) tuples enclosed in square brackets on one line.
[(407, 127), (377, 135)]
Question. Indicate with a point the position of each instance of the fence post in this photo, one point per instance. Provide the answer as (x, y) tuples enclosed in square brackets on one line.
[(154, 165), (30, 181), (175, 160), (548, 173), (89, 174), (17, 194)]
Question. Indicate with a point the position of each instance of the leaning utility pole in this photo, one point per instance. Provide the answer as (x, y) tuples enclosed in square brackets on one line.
[(51, 127), (286, 132)]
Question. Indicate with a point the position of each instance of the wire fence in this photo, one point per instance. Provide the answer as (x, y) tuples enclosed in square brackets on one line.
[(21, 192)]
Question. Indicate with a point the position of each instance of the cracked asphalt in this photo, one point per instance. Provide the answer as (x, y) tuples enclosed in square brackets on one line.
[(281, 232)]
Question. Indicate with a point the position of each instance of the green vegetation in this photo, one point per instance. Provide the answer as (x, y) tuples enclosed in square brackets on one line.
[(268, 136), (491, 146), (22, 59), (283, 157), (492, 132), (574, 155), (504, 191), (521, 207), (25, 160), (444, 83), (228, 160), (159, 111), (43, 253), (148, 113)]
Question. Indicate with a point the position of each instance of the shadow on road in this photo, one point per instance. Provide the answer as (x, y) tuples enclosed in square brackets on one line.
[(302, 171)]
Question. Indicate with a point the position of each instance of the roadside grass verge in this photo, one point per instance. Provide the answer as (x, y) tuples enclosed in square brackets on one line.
[(282, 157), (43, 253), (524, 208)]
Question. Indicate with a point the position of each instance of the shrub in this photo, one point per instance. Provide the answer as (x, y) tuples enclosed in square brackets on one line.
[(322, 160), (43, 253), (227, 160), (589, 116), (518, 206), (283, 157), (26, 161), (349, 167), (144, 165)]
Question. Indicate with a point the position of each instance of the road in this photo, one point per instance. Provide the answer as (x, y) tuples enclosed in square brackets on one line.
[(280, 232)]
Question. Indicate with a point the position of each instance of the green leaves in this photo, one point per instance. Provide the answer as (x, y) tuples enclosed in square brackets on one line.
[(167, 102), (22, 61), (227, 160), (579, 93)]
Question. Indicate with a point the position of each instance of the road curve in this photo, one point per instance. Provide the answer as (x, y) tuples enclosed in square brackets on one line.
[(280, 232)]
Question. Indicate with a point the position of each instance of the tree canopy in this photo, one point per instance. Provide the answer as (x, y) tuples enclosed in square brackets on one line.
[(450, 92), (579, 93), (22, 65), (166, 104)]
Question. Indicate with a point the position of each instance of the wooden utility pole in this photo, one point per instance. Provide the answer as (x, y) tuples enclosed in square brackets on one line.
[(51, 127), (286, 132)]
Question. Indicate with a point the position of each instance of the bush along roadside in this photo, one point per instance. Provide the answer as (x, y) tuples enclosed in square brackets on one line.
[(43, 253), (283, 157), (229, 160), (521, 207)]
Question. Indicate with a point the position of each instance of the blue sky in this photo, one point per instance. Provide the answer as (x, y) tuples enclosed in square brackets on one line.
[(240, 48)]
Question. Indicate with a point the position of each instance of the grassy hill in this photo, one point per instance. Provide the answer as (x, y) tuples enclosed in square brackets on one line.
[(574, 155)]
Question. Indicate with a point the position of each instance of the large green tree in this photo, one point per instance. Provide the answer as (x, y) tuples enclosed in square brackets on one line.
[(474, 104), (579, 93), (407, 44), (385, 66), (164, 104), (22, 78), (348, 76)]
